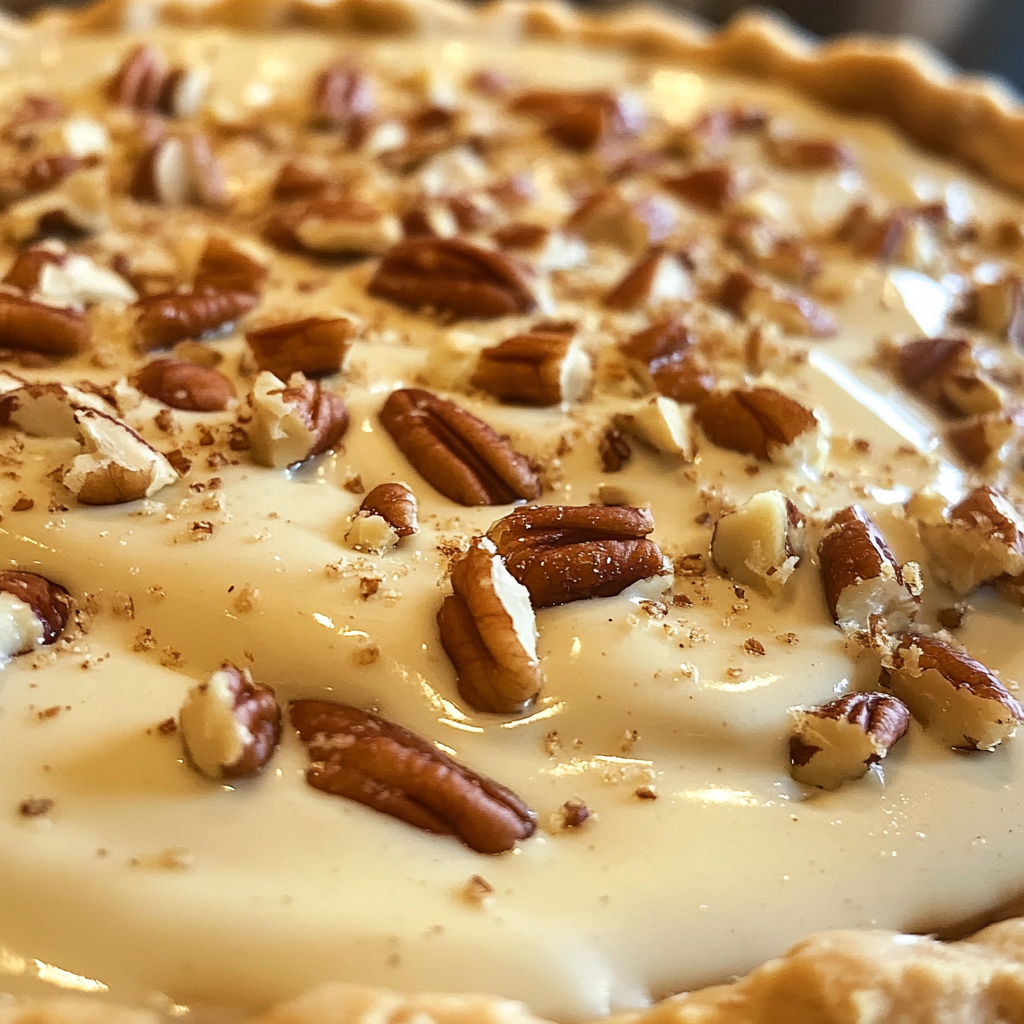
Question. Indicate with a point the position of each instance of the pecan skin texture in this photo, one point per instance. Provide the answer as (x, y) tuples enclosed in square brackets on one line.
[(750, 421), (324, 413), (342, 99), (184, 385), (36, 327), (396, 504), (50, 601), (358, 755), (564, 553), (226, 268), (139, 80), (453, 277), (460, 455), (173, 316), (314, 346), (526, 368)]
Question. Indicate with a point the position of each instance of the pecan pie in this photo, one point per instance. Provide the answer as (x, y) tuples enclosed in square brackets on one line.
[(506, 502)]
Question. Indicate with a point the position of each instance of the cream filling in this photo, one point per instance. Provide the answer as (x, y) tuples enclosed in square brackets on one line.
[(147, 878)]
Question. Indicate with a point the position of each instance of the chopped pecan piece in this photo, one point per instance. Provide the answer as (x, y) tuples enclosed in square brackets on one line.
[(388, 513), (37, 327), (489, 632), (951, 694), (335, 226), (49, 171), (360, 756), (457, 453), (226, 267), (864, 584), (761, 422), (631, 226), (998, 307), (563, 553), (297, 180), (838, 741), (230, 726), (579, 120), (761, 543), (798, 154), (980, 541), (713, 188), (796, 313), (982, 440), (184, 385), (661, 357), (183, 91), (538, 368), (173, 316), (614, 451), (180, 170), (33, 612), (139, 80), (945, 372), (662, 424), (343, 100), (454, 277), (659, 276), (315, 346), (293, 422), (62, 278)]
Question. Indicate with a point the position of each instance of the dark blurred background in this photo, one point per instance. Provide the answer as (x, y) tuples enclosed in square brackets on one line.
[(979, 35)]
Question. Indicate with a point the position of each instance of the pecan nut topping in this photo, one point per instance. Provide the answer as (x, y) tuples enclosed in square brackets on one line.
[(452, 276), (579, 121), (173, 316), (37, 612), (184, 385), (395, 503), (538, 368), (314, 346), (663, 359), (226, 267), (377, 763), (37, 327), (563, 553), (489, 632), (342, 99), (460, 455)]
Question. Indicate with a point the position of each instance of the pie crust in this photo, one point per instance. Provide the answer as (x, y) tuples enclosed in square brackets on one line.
[(842, 977)]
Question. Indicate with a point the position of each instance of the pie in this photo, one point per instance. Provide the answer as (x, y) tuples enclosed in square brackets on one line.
[(506, 502)]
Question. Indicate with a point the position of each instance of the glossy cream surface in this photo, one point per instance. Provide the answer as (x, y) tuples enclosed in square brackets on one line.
[(146, 878)]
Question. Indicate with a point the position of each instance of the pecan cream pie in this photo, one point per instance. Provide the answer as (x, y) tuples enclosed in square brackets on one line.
[(507, 503)]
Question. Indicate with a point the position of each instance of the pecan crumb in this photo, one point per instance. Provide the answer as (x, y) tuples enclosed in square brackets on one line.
[(144, 641), (952, 618), (574, 813), (645, 793), (788, 638), (353, 483), (35, 806), (681, 601), (171, 658), (368, 586), (478, 892), (167, 727), (366, 653), (689, 565), (752, 646), (122, 605), (23, 504)]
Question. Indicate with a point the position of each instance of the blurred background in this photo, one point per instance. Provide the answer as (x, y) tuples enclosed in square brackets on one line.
[(979, 35)]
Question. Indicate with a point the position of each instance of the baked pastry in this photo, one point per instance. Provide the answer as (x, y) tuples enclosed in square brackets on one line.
[(532, 520)]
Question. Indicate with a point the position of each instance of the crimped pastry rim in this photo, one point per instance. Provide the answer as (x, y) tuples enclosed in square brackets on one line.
[(840, 977)]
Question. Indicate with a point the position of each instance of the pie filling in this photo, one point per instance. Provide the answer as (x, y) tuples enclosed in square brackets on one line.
[(673, 847)]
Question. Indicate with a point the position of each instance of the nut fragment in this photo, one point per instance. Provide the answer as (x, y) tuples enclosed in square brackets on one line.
[(712, 188), (226, 266), (761, 422), (388, 513), (342, 99), (37, 327), (230, 726), (864, 584), (62, 278), (979, 541), (757, 298), (180, 170), (294, 422), (761, 543), (139, 80), (838, 741), (579, 121), (656, 278), (173, 316), (489, 632), (945, 372), (451, 276), (609, 218), (662, 424), (315, 346), (952, 695), (797, 154), (997, 306), (334, 226), (661, 357), (985, 440), (46, 409), (365, 758), (454, 451), (33, 612), (563, 553), (118, 466), (538, 368), (184, 385)]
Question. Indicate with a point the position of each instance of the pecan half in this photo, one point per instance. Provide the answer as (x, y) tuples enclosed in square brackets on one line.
[(342, 99), (864, 584), (460, 455), (838, 741), (489, 632), (388, 513), (579, 120), (360, 756), (137, 83), (453, 277), (538, 368), (173, 316), (952, 695), (314, 346), (37, 327), (293, 422), (226, 267), (184, 385), (230, 726), (563, 553), (33, 612), (761, 422), (760, 544)]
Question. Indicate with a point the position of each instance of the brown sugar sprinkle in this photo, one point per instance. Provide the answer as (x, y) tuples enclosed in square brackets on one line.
[(35, 806)]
